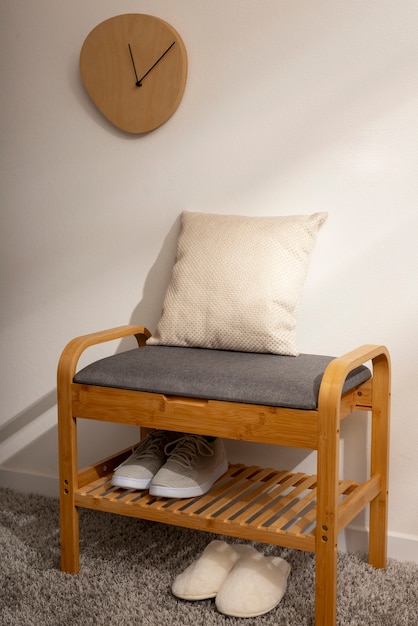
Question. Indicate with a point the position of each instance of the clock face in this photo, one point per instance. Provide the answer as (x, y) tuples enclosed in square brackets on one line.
[(134, 68)]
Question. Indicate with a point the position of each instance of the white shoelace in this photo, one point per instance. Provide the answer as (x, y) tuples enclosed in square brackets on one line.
[(184, 450), (150, 446)]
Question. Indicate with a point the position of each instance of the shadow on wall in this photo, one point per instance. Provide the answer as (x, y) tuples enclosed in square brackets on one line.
[(146, 313), (24, 419)]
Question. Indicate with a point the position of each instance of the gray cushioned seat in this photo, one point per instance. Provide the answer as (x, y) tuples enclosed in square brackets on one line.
[(248, 377)]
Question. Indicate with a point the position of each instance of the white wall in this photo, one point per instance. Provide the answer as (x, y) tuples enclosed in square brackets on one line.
[(290, 107)]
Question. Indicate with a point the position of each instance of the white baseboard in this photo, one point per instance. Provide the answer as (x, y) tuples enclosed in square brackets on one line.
[(353, 539), (23, 482), (401, 547)]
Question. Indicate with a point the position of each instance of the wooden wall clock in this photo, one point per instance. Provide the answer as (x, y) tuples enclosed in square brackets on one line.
[(134, 68)]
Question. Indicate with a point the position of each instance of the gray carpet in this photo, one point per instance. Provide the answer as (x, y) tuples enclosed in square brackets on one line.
[(128, 565)]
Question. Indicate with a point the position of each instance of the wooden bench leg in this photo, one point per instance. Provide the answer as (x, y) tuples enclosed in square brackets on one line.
[(326, 562), (380, 460), (69, 526), (326, 583), (326, 543), (70, 560)]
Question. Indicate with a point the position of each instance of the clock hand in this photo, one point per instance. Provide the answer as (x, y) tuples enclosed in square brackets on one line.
[(139, 82)]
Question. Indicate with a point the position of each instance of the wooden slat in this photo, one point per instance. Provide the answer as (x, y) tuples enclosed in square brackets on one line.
[(247, 502), (309, 517), (264, 509), (233, 500), (240, 490), (300, 504), (357, 499), (248, 499), (241, 511), (194, 504)]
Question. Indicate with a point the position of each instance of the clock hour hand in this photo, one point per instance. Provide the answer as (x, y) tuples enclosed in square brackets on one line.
[(139, 82)]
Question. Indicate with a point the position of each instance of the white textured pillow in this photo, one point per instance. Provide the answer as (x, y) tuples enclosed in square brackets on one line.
[(237, 282)]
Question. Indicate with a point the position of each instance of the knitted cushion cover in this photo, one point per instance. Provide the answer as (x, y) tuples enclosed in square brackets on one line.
[(237, 282)]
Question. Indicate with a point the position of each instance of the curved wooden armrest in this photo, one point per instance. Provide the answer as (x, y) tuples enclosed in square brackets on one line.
[(73, 350), (339, 368)]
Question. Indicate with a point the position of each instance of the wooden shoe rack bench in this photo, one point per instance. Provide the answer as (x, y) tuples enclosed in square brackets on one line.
[(283, 508)]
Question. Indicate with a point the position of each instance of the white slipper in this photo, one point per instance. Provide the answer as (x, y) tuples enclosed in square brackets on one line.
[(204, 577), (254, 587)]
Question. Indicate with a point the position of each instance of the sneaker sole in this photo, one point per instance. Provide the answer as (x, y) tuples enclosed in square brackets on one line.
[(130, 483), (188, 492)]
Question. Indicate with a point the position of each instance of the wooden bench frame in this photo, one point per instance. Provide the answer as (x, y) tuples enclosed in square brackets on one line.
[(312, 514)]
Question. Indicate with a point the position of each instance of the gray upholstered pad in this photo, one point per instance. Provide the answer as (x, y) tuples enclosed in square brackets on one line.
[(268, 379)]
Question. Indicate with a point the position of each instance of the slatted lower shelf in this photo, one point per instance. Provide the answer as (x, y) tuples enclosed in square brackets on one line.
[(277, 507)]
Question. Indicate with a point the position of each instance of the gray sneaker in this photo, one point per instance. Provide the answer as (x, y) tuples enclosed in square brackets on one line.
[(137, 471), (193, 465)]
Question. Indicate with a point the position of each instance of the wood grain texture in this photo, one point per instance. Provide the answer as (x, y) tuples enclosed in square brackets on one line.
[(108, 70), (273, 506)]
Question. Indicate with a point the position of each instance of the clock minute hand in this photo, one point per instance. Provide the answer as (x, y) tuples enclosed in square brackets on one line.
[(139, 82)]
